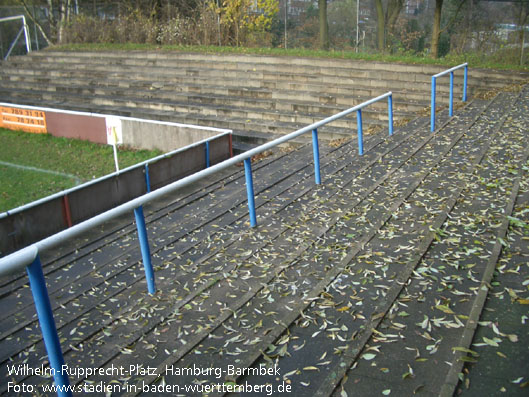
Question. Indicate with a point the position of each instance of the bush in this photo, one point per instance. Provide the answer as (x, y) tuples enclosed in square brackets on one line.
[(201, 28)]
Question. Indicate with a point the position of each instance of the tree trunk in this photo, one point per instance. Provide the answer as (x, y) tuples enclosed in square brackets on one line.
[(324, 26), (436, 30), (381, 25), (393, 12), (64, 9), (524, 14)]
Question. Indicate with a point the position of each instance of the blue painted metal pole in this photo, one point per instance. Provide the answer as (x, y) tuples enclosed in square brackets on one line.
[(249, 191), (144, 246), (451, 104), (316, 151), (390, 114), (207, 154), (360, 132), (47, 325), (465, 81), (147, 178), (432, 111)]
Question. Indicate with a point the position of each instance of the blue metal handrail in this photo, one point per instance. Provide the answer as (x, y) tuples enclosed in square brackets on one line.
[(451, 102), (29, 257)]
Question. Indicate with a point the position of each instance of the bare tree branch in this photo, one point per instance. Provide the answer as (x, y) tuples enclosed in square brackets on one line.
[(35, 21), (454, 17)]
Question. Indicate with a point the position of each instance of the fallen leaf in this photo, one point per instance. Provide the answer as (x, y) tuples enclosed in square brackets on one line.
[(369, 356)]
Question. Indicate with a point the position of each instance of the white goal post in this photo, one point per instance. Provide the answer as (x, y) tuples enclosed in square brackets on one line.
[(23, 29)]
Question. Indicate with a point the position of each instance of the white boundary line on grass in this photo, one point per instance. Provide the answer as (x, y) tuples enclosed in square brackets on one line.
[(29, 168)]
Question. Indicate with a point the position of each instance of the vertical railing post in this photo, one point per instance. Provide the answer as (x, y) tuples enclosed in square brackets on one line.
[(390, 114), (465, 81), (451, 103), (249, 191), (66, 211), (47, 326), (207, 154), (360, 132), (316, 152), (144, 246), (432, 111), (147, 178)]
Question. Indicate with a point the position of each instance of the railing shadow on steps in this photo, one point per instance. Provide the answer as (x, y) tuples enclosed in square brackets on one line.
[(29, 257)]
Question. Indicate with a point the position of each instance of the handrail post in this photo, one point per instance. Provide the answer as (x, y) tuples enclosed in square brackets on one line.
[(207, 153), (451, 103), (47, 325), (432, 111), (66, 211), (465, 81), (390, 114), (360, 133), (144, 246), (249, 191), (316, 152), (147, 179)]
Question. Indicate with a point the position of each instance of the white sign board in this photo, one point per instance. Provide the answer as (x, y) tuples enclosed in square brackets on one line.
[(114, 135), (114, 131)]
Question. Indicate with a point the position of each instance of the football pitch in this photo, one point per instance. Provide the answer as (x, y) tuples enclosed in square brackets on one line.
[(33, 166)]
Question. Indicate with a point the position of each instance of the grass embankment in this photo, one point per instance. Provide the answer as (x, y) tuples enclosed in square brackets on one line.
[(475, 60), (78, 160)]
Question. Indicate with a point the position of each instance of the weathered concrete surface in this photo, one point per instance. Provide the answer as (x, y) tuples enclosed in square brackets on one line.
[(256, 96), (162, 136)]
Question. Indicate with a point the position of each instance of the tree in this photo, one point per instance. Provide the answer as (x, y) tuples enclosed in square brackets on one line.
[(436, 28), (324, 25), (57, 26), (239, 17), (386, 20), (381, 25), (522, 20)]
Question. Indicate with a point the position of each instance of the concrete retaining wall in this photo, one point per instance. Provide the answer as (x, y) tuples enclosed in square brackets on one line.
[(133, 132)]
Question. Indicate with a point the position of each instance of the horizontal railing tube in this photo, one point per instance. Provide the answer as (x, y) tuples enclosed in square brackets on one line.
[(28, 257), (15, 261)]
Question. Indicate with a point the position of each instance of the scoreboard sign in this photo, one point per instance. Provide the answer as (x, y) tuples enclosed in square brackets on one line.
[(28, 120)]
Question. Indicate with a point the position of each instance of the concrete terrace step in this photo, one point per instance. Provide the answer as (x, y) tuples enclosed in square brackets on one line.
[(387, 81), (334, 278), (336, 67), (243, 98), (219, 116), (246, 93), (401, 77), (236, 95), (263, 89)]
